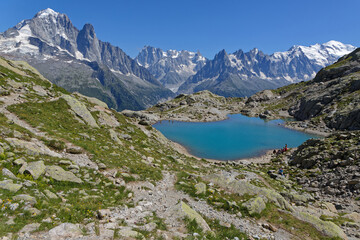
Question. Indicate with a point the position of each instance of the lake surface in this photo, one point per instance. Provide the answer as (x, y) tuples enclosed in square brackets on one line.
[(235, 138)]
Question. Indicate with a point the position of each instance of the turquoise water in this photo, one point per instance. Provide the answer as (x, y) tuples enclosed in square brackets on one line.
[(235, 138)]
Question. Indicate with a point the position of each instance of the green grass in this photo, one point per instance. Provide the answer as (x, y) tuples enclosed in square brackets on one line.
[(339, 64)]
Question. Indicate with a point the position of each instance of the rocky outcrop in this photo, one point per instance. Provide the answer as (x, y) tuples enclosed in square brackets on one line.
[(80, 110), (327, 228), (255, 205), (59, 174), (335, 160)]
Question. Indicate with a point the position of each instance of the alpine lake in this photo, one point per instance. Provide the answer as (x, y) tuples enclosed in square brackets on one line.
[(237, 137)]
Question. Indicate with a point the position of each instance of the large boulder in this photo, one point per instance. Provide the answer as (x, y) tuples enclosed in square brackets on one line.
[(32, 148), (326, 227), (35, 169), (184, 210), (59, 174), (80, 109), (255, 205)]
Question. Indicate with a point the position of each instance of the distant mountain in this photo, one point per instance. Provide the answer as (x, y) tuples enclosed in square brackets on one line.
[(78, 61), (243, 74), (172, 67)]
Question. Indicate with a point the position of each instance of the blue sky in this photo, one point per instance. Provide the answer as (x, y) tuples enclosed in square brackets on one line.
[(205, 25)]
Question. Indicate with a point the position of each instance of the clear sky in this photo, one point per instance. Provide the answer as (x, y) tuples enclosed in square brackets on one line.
[(205, 25)]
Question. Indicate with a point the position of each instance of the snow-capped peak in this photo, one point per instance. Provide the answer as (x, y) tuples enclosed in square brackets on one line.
[(46, 13)]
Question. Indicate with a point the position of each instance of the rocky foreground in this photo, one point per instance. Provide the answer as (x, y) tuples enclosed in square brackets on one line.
[(73, 168)]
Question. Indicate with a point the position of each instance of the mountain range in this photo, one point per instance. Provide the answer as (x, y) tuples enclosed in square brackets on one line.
[(172, 67), (78, 61)]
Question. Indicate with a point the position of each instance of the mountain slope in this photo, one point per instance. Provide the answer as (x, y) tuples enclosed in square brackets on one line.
[(49, 40), (172, 67), (243, 74)]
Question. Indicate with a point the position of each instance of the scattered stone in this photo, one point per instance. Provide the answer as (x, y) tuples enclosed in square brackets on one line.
[(114, 136), (65, 230), (129, 233), (102, 166), (103, 213), (59, 174), (30, 228), (50, 194), (200, 188), (25, 198), (6, 172), (35, 169), (19, 161), (74, 150), (9, 185)]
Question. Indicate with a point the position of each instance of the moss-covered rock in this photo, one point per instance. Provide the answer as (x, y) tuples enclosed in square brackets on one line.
[(188, 212), (200, 188), (9, 185), (35, 169), (255, 205), (80, 109), (60, 174), (326, 227), (25, 198)]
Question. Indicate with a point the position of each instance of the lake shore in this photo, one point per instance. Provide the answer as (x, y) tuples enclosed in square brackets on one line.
[(263, 158)]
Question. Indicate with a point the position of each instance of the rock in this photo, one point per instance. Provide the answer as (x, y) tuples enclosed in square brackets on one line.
[(326, 227), (30, 228), (19, 161), (103, 213), (50, 194), (65, 162), (242, 187), (331, 207), (65, 230), (6, 172), (25, 198), (33, 211), (270, 227), (32, 148), (187, 211), (102, 166), (80, 109), (255, 205), (200, 188), (74, 150), (114, 136), (107, 120), (297, 198), (353, 216), (59, 174), (35, 169), (126, 136), (9, 185), (129, 233)]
